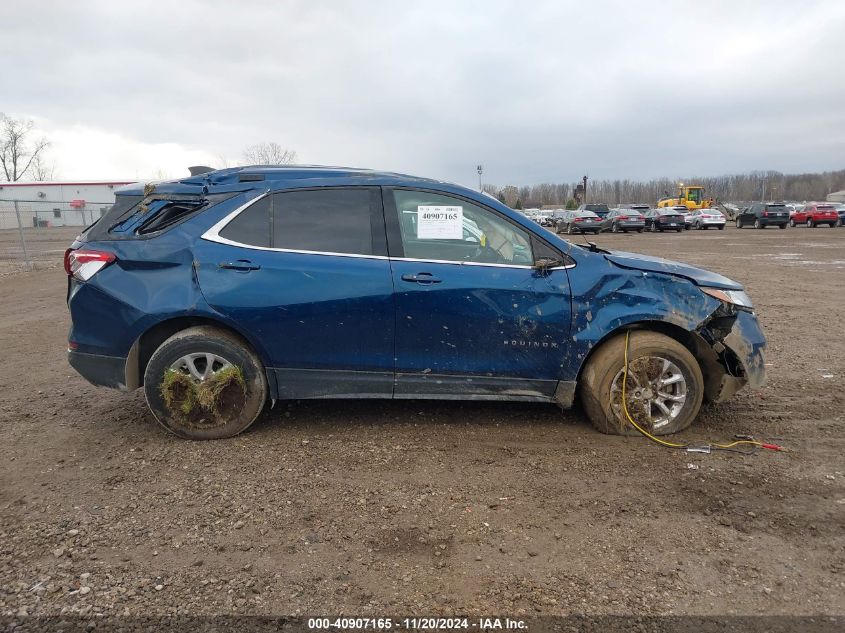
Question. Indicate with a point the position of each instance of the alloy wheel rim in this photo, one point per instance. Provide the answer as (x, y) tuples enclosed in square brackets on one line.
[(655, 389), (200, 366)]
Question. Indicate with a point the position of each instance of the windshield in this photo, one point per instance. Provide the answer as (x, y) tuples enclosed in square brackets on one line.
[(694, 195)]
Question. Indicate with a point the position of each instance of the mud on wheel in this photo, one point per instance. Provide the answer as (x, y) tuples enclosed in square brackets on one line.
[(663, 391), (205, 383)]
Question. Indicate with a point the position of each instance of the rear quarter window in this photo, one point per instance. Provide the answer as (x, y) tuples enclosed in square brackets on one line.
[(251, 226)]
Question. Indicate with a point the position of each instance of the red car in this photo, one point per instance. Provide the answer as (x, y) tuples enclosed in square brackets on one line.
[(815, 214)]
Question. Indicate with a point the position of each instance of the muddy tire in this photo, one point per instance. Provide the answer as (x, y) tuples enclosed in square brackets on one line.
[(208, 350), (601, 378)]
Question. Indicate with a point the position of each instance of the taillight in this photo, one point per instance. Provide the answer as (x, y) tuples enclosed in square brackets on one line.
[(765, 214), (84, 263)]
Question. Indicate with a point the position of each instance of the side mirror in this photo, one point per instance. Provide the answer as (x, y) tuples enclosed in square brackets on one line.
[(544, 264)]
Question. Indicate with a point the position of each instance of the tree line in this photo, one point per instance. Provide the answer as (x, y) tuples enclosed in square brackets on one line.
[(755, 185)]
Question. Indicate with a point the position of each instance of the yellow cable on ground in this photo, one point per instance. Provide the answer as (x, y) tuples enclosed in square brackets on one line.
[(773, 447)]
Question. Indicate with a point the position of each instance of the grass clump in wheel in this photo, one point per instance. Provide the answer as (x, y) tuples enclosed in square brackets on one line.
[(210, 402)]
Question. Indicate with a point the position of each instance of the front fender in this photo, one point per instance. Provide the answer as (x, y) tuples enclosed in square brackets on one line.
[(605, 303)]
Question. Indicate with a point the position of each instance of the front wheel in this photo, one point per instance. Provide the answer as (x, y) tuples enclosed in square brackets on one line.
[(838, 223), (204, 383), (721, 227), (663, 390), (810, 224), (792, 223), (639, 230)]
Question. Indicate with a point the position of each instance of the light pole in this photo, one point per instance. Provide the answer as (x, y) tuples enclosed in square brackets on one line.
[(480, 172)]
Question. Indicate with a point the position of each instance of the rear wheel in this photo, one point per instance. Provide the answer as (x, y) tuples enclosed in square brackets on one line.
[(838, 223), (792, 223), (639, 230), (678, 230), (614, 228), (739, 223), (721, 227), (204, 383), (663, 391), (781, 226), (758, 224), (569, 229)]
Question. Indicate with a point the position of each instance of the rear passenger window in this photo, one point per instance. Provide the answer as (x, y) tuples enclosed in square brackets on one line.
[(252, 226), (326, 220)]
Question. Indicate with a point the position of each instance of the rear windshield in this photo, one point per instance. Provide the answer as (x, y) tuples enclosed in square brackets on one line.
[(586, 214), (596, 207)]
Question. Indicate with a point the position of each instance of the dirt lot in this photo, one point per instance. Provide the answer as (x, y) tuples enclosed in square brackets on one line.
[(378, 508)]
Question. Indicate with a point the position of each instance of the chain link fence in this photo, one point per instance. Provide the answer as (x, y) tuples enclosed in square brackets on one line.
[(35, 234)]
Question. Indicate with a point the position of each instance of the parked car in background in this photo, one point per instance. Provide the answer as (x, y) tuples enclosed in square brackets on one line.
[(532, 214), (623, 220), (840, 209), (557, 216), (546, 218), (705, 218), (763, 214), (579, 222), (223, 291), (665, 219), (599, 209), (815, 214)]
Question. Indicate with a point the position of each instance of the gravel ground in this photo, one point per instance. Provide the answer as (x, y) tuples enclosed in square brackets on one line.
[(378, 508)]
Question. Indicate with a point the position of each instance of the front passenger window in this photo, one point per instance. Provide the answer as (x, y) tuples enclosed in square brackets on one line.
[(439, 227)]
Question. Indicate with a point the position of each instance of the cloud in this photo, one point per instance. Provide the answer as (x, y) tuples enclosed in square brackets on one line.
[(539, 91)]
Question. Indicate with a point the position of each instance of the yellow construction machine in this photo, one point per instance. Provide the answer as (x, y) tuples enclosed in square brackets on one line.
[(689, 196)]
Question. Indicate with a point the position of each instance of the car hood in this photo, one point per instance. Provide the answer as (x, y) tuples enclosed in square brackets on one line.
[(699, 276)]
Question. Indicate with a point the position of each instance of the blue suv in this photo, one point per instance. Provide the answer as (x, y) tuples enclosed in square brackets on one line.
[(226, 289)]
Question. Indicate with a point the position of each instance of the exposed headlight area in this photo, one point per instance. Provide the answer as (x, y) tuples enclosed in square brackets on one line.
[(739, 298)]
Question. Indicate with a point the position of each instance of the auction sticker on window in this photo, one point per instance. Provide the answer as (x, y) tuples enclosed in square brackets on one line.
[(440, 223)]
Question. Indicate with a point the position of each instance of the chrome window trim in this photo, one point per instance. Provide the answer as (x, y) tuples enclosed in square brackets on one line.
[(213, 235)]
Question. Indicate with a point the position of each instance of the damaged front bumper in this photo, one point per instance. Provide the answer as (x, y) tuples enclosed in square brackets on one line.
[(731, 350)]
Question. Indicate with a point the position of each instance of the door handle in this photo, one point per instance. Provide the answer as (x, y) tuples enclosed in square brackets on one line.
[(421, 278), (242, 265)]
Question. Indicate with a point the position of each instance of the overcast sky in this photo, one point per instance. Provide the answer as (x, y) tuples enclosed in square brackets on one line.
[(536, 91)]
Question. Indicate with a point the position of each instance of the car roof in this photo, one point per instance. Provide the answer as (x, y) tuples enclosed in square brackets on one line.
[(283, 176)]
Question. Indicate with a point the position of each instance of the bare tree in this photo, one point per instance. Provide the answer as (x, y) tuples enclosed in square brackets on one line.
[(43, 170), (268, 154), (18, 152)]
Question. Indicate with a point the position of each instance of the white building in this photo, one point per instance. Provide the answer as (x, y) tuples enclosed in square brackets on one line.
[(45, 204), (836, 196)]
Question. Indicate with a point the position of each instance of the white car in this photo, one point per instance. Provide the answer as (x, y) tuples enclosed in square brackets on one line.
[(705, 218)]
